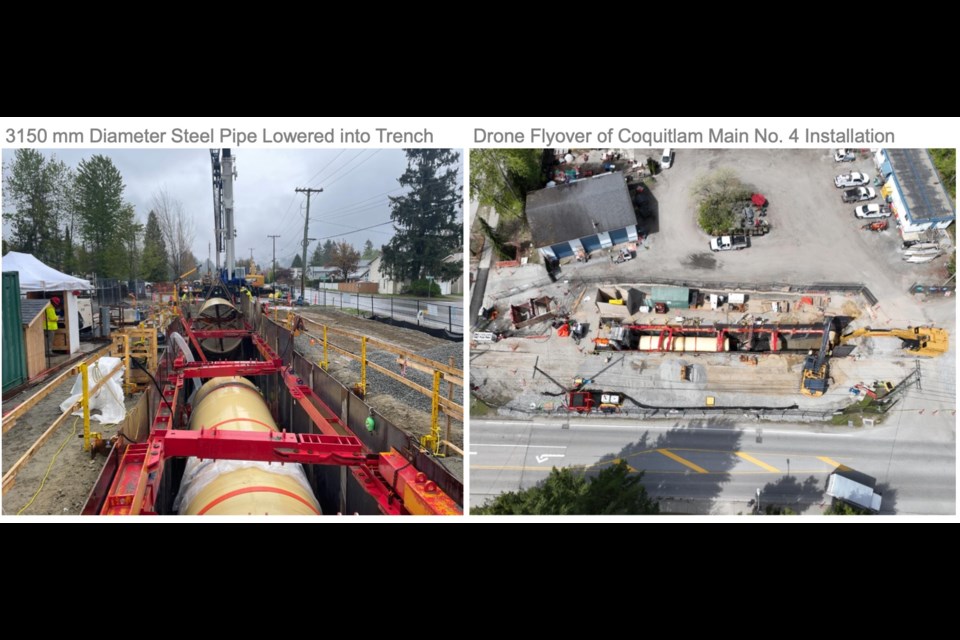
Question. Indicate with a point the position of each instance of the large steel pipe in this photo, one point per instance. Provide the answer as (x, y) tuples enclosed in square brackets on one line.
[(235, 487), (219, 313)]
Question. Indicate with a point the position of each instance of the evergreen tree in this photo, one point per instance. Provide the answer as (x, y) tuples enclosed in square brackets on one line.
[(322, 254), (102, 215), (69, 259), (154, 260), (613, 491), (369, 251), (39, 191), (297, 262), (426, 218)]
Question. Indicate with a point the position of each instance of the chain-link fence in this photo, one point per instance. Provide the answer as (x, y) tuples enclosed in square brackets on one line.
[(424, 312)]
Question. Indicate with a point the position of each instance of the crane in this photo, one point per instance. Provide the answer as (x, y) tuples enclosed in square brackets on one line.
[(926, 342), (224, 172), (920, 341), (814, 380)]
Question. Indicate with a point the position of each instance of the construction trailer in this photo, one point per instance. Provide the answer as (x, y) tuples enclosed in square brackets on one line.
[(854, 488)]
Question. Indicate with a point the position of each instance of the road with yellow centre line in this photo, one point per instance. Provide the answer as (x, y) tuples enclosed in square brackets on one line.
[(708, 468)]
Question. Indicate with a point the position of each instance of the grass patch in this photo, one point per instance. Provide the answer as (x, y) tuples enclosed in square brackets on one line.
[(856, 412), (479, 408)]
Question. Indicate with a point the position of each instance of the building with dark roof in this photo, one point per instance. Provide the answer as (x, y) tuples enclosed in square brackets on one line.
[(581, 216), (913, 188)]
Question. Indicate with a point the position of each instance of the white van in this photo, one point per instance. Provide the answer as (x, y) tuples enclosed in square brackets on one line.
[(667, 159)]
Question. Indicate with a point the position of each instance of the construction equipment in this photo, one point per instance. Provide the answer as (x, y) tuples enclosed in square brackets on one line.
[(927, 342), (815, 366), (224, 172), (870, 393), (255, 281), (882, 225), (240, 438)]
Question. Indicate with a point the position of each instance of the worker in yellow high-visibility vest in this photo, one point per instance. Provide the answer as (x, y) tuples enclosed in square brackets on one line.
[(51, 324)]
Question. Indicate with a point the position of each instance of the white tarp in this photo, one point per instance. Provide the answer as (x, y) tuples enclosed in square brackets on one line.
[(108, 400), (36, 276)]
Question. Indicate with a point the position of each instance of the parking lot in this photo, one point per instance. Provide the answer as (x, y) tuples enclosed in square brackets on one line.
[(814, 238)]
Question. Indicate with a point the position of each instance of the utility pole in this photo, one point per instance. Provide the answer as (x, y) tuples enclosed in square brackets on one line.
[(274, 256), (306, 240), (251, 259)]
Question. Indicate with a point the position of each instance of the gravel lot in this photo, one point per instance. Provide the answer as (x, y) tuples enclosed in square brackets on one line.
[(406, 408)]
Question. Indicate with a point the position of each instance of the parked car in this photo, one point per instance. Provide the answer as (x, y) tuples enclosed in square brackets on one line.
[(729, 243), (852, 179), (844, 155), (869, 211), (859, 194), (667, 160)]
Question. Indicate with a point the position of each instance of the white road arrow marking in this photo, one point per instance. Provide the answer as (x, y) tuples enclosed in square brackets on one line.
[(544, 457)]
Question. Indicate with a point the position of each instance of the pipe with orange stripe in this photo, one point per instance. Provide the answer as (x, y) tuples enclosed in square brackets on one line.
[(240, 487)]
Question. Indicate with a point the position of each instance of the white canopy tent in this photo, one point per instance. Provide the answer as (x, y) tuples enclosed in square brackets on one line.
[(36, 276)]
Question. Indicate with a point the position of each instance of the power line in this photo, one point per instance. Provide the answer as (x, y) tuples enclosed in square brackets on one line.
[(308, 181), (355, 167)]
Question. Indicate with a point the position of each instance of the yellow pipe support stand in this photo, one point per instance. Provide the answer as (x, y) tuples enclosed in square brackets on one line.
[(432, 442), (363, 364), (85, 403), (325, 362)]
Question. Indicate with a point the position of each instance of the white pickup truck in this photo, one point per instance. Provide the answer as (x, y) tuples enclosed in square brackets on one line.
[(729, 243)]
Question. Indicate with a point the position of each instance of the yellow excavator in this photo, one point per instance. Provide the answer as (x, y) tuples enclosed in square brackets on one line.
[(927, 342), (255, 280)]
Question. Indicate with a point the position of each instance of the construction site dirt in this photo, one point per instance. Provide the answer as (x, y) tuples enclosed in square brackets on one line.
[(815, 240), (66, 482)]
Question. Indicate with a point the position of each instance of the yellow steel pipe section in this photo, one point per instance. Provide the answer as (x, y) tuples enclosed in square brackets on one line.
[(223, 315), (232, 487)]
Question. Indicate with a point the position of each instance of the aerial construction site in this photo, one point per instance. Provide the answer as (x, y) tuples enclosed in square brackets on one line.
[(659, 307), (223, 396)]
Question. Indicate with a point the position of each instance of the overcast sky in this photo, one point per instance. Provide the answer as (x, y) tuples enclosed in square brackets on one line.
[(356, 183)]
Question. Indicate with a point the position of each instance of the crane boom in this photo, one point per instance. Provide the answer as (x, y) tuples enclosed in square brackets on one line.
[(921, 341), (224, 172)]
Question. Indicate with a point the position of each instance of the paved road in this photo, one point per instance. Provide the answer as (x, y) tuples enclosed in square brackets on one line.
[(717, 468)]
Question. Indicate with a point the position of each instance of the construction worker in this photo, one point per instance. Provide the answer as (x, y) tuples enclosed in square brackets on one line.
[(52, 318)]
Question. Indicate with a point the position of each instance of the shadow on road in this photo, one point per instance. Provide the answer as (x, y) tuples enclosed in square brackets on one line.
[(888, 506), (682, 489), (788, 495)]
